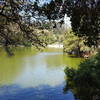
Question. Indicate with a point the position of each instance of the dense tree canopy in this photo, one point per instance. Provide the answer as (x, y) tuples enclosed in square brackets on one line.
[(86, 20), (85, 17), (84, 14), (17, 13)]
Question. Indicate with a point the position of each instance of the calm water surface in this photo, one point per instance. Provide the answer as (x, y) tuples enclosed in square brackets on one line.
[(32, 75)]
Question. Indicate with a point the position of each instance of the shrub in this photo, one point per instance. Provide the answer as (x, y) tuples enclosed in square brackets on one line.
[(74, 44), (85, 81)]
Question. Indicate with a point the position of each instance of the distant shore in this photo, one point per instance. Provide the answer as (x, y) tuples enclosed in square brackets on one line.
[(55, 46), (49, 46)]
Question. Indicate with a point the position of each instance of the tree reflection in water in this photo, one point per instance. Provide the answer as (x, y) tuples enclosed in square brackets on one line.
[(82, 92)]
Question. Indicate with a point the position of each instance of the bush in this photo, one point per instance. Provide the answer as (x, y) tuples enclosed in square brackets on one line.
[(85, 81), (74, 44)]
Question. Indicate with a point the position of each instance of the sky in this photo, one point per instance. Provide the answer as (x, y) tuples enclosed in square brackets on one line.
[(43, 1)]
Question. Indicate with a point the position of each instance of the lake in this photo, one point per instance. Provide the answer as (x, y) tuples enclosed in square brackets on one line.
[(35, 75)]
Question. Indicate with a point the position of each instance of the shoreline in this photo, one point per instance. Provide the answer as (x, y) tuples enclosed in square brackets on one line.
[(55, 46), (49, 46)]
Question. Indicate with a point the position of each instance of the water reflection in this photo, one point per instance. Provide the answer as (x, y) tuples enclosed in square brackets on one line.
[(40, 93), (30, 75), (82, 92)]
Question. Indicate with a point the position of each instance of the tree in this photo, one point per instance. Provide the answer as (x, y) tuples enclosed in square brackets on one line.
[(17, 13), (84, 14), (85, 19), (74, 44)]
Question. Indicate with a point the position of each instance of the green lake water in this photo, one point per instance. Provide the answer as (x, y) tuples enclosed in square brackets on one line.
[(34, 75)]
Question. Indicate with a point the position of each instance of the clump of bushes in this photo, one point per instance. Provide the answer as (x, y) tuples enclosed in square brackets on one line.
[(85, 81), (74, 44)]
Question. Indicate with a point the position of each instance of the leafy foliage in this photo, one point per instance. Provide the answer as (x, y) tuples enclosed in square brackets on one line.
[(85, 18), (85, 81), (73, 43), (84, 14), (16, 25), (17, 13)]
